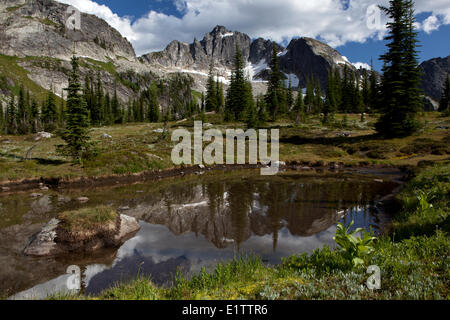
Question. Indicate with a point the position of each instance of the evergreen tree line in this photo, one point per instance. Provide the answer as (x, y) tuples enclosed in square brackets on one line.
[(346, 93), (24, 114)]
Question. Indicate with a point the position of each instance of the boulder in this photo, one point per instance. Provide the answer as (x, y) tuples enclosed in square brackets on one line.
[(48, 243), (105, 136)]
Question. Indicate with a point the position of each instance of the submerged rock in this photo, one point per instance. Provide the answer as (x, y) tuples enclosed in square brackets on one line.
[(53, 240)]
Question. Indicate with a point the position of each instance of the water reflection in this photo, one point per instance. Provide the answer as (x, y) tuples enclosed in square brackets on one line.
[(197, 223)]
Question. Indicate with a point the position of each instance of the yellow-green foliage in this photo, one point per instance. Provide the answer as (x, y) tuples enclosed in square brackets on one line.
[(86, 219)]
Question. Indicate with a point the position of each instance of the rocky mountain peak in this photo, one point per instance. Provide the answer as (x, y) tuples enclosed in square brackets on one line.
[(38, 28), (435, 73)]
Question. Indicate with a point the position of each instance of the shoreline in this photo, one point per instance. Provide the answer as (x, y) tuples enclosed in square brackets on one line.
[(29, 184)]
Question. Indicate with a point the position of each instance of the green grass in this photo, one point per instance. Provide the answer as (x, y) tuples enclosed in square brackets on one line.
[(9, 68), (432, 186), (135, 148), (86, 219), (14, 8)]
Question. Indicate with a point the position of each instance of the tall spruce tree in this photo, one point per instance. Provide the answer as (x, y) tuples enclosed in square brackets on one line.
[(299, 109), (153, 110), (236, 100), (274, 90), (11, 116), (76, 133), (211, 91), (49, 114), (330, 106), (444, 104), (309, 97), (401, 98)]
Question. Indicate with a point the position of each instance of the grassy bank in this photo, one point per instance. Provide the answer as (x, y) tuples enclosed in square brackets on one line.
[(414, 261), (136, 148)]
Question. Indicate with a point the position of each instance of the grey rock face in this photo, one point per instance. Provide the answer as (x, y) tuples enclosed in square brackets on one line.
[(262, 49), (218, 46), (435, 73), (37, 28), (307, 57)]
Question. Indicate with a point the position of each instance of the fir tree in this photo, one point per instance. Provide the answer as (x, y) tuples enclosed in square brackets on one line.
[(76, 134), (236, 100), (211, 92), (2, 119), (444, 104), (22, 112), (318, 102), (365, 87), (273, 96), (290, 95), (116, 112), (34, 114), (220, 95), (330, 105), (153, 110), (309, 97), (11, 116), (261, 107), (374, 92), (299, 109), (401, 76), (49, 115)]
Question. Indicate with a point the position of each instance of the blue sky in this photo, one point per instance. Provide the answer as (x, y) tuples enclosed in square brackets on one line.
[(151, 24)]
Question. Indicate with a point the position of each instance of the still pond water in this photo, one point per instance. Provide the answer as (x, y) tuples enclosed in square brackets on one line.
[(189, 223)]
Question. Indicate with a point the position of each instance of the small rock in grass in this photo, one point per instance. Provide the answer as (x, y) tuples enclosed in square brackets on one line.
[(36, 195), (106, 136), (83, 199)]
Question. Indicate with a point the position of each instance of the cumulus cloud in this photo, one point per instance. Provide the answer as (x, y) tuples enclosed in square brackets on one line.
[(334, 21), (430, 24)]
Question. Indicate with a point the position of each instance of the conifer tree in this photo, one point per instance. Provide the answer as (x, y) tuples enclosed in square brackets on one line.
[(236, 100), (153, 111), (11, 116), (330, 105), (444, 104), (34, 114), (220, 96), (299, 109), (2, 119), (401, 74), (318, 102), (365, 87), (116, 112), (49, 115), (261, 107), (273, 96), (374, 92), (211, 92), (76, 133), (290, 95), (309, 97)]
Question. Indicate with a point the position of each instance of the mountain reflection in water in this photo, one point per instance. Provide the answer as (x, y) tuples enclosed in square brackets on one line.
[(198, 223)]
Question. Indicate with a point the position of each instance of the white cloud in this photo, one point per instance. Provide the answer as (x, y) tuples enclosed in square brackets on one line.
[(279, 20), (430, 24)]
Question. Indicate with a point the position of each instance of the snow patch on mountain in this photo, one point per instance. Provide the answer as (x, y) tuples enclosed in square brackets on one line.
[(363, 65), (295, 81), (252, 70), (283, 53)]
